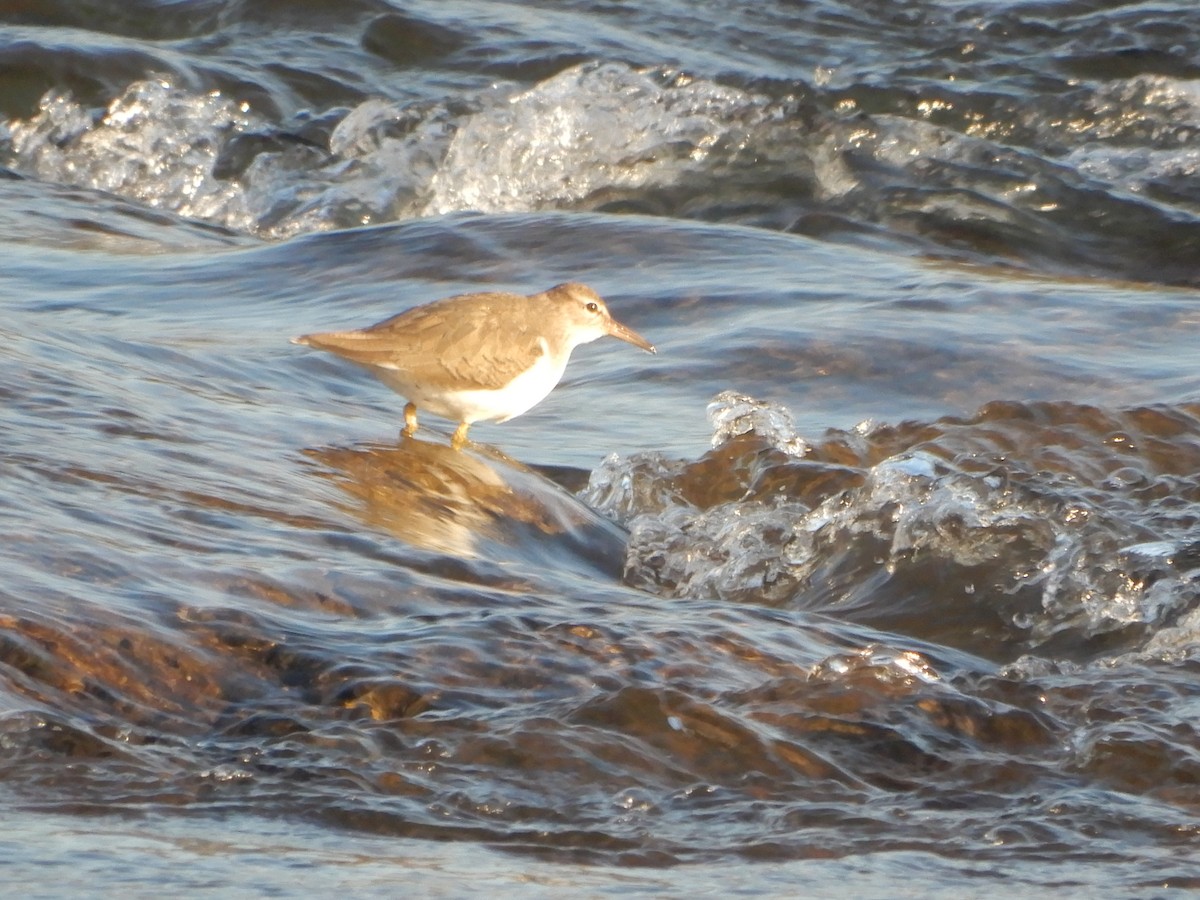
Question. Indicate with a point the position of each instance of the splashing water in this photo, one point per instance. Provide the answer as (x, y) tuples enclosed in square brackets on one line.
[(865, 524), (592, 128), (732, 414), (154, 144)]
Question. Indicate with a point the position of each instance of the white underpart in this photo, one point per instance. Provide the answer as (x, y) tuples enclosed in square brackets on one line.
[(483, 405)]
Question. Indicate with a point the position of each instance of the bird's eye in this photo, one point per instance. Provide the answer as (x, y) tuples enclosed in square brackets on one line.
[(592, 307)]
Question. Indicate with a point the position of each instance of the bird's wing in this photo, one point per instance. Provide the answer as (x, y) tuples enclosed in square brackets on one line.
[(473, 338)]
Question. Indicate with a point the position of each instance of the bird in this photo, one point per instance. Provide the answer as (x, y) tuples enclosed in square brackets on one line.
[(475, 357)]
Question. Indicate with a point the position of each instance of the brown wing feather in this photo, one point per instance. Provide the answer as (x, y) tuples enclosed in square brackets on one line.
[(480, 338)]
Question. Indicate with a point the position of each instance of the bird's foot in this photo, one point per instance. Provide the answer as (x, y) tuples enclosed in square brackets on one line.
[(460, 436), (410, 420)]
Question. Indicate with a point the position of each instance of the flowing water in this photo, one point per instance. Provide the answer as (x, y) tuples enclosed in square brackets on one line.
[(882, 578)]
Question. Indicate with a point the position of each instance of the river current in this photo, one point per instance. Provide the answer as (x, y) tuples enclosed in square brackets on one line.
[(880, 579)]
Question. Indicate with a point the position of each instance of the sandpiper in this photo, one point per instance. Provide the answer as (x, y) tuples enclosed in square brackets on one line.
[(478, 357)]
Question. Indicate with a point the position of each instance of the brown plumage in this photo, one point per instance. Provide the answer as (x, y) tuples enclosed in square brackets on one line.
[(482, 356)]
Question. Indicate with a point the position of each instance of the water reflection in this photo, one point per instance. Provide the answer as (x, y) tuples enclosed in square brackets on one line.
[(469, 503)]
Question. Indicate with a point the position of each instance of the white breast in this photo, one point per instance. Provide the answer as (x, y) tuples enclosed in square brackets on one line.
[(479, 405)]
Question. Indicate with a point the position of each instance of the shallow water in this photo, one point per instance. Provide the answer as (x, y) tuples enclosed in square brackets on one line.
[(882, 571)]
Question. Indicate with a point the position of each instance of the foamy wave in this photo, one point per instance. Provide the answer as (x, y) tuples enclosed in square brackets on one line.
[(863, 523), (592, 128), (153, 144)]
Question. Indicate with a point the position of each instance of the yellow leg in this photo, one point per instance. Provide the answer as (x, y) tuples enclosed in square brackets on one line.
[(410, 419), (460, 436)]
